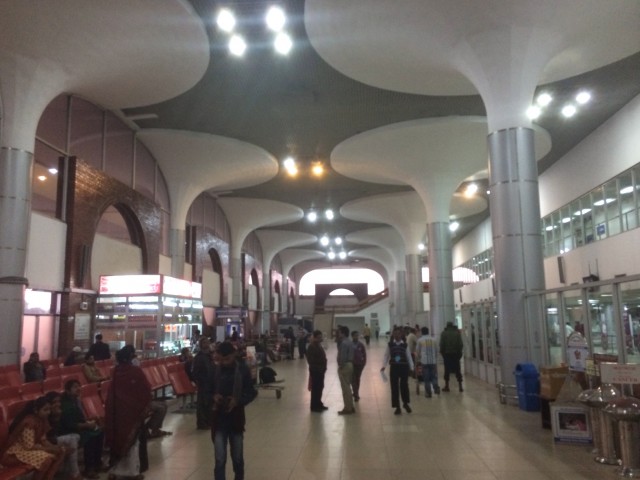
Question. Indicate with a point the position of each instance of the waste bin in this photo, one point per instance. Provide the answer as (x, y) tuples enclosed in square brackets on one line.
[(528, 387)]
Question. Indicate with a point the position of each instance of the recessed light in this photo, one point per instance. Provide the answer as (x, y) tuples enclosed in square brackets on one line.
[(275, 19), (237, 45), (569, 111), (583, 97), (544, 99), (328, 214), (225, 20), (312, 216), (533, 112)]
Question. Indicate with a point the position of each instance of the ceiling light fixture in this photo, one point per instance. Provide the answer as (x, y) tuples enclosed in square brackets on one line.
[(533, 112), (342, 255), (324, 241), (338, 241), (237, 45), (317, 169), (53, 171), (328, 214), (283, 43), (544, 99), (471, 190), (583, 97), (453, 226), (275, 19), (421, 246), (331, 255), (225, 20), (569, 111), (312, 216)]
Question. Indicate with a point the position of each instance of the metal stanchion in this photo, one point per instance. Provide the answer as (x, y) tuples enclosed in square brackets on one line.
[(604, 430), (626, 411)]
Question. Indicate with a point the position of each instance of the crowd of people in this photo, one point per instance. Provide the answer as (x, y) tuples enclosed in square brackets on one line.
[(51, 430)]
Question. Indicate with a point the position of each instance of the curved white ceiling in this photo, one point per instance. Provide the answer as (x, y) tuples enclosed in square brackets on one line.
[(119, 53), (421, 43), (432, 155)]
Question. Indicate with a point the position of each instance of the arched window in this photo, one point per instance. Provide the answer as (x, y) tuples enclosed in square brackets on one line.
[(329, 276)]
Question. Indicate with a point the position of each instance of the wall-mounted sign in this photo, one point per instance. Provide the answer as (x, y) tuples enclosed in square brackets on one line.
[(616, 373), (147, 285), (82, 327)]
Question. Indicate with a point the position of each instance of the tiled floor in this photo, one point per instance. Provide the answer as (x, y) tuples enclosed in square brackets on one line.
[(457, 436)]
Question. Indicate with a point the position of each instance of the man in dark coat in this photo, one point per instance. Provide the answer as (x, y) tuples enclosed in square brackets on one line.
[(317, 361), (99, 349), (451, 350), (202, 374)]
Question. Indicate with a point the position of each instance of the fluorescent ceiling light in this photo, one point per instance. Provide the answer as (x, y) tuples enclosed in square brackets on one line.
[(283, 43)]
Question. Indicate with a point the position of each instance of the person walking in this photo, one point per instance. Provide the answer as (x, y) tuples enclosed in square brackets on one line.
[(317, 361), (398, 357), (345, 369), (366, 333), (232, 391), (427, 355), (451, 350), (359, 361)]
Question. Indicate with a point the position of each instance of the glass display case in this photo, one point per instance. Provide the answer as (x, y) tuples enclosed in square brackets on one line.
[(155, 313)]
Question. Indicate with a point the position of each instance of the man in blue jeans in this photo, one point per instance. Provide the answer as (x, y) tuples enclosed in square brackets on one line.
[(232, 391), (427, 355)]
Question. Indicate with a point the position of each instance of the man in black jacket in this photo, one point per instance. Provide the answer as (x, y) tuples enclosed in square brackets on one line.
[(232, 391), (202, 374), (99, 349)]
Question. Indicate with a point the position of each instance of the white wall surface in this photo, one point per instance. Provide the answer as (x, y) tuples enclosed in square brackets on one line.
[(45, 254), (475, 242), (210, 288), (606, 258), (113, 257), (609, 150)]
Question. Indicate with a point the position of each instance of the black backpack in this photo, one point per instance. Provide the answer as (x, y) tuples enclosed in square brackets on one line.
[(267, 375)]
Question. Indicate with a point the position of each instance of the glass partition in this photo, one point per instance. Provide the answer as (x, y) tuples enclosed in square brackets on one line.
[(604, 335), (630, 299), (554, 338)]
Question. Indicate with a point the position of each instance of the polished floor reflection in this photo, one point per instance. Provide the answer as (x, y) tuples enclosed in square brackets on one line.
[(455, 436)]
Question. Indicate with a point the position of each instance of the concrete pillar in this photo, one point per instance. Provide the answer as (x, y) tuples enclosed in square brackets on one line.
[(235, 272), (16, 170), (414, 287), (177, 240), (401, 298), (517, 243), (441, 303)]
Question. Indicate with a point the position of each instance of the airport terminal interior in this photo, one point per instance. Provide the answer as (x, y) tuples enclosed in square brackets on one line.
[(169, 166)]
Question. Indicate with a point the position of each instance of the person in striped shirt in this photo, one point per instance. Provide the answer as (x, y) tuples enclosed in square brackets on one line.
[(427, 355)]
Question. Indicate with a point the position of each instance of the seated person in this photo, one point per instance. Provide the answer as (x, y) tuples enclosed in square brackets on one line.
[(91, 372), (34, 371), (74, 358), (72, 420), (28, 444), (70, 442), (186, 358)]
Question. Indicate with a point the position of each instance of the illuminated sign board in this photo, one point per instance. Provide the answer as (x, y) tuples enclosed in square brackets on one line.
[(147, 285)]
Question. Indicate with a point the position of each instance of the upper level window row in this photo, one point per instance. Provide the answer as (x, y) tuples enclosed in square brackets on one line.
[(607, 210)]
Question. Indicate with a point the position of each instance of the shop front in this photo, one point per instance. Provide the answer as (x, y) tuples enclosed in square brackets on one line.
[(157, 314)]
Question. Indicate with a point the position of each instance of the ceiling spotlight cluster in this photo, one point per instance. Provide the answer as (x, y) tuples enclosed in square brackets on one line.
[(316, 169), (329, 243), (568, 110), (313, 216), (275, 20)]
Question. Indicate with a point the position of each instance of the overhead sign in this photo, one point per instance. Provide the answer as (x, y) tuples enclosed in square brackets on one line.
[(148, 284)]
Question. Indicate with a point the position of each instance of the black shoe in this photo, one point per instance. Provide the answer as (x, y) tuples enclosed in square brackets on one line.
[(436, 390), (407, 407), (324, 407), (356, 398), (446, 389), (319, 410), (397, 411)]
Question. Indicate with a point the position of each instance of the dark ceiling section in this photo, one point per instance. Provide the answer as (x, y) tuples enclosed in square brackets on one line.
[(298, 105)]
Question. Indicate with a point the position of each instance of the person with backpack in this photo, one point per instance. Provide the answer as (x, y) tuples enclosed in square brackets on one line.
[(359, 361)]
